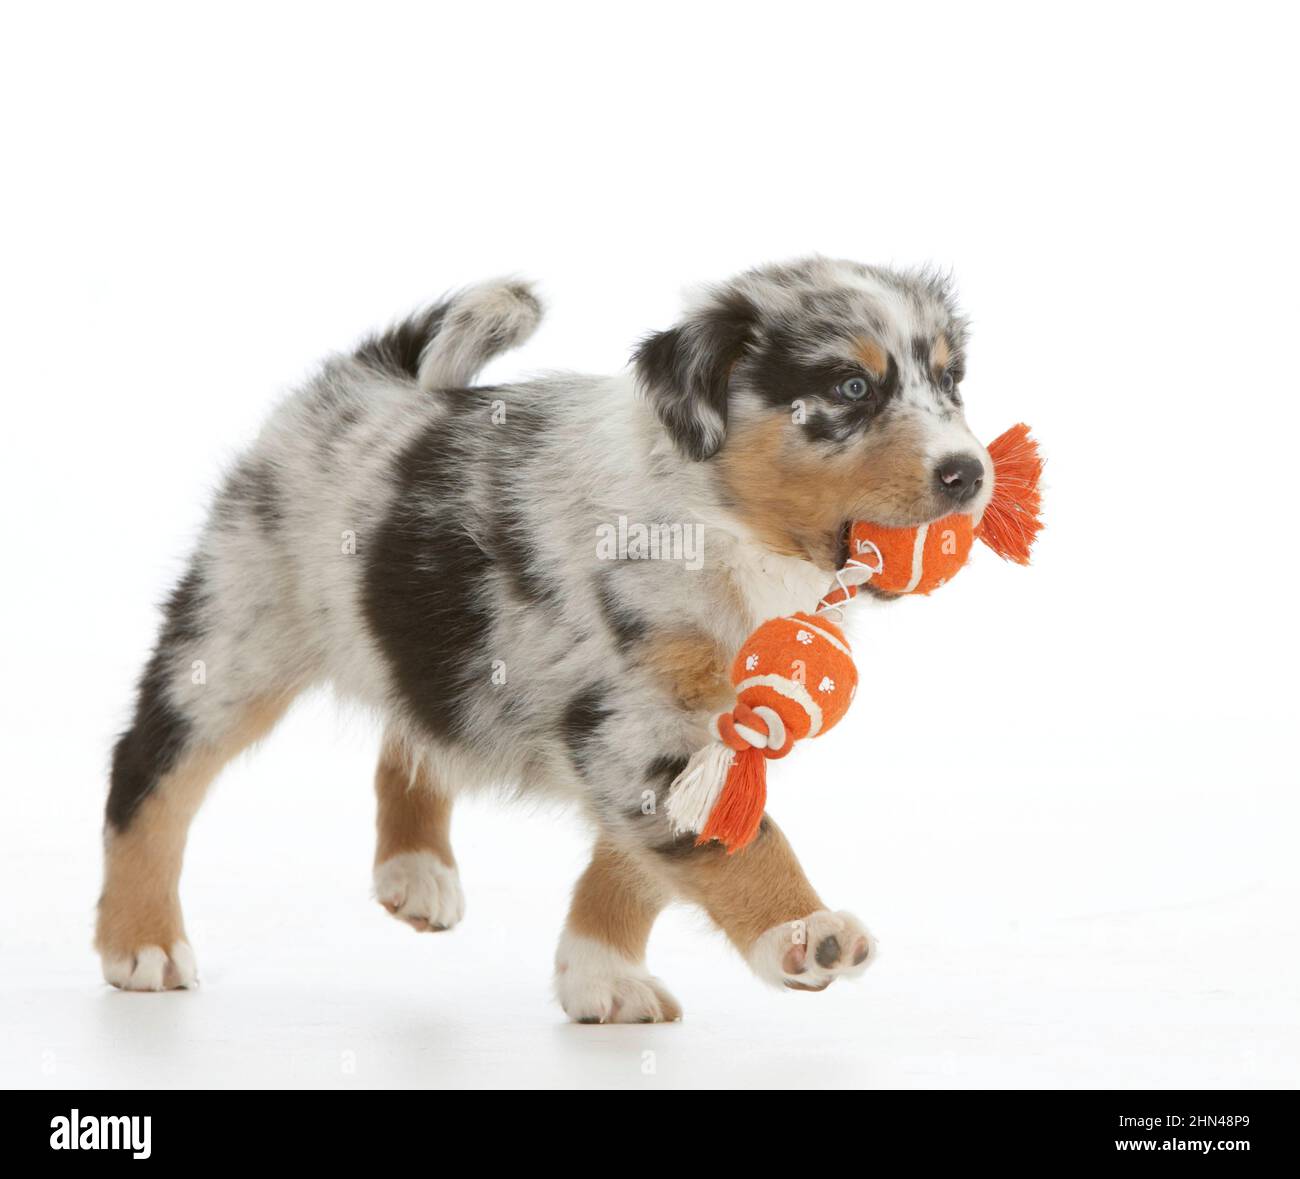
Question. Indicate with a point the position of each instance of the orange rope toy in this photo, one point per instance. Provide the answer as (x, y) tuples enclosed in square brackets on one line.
[(795, 676)]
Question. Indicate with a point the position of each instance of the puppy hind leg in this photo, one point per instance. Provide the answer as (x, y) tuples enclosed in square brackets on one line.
[(416, 878), (160, 777)]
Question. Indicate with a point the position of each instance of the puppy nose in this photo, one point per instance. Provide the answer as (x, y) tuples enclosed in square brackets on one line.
[(959, 477)]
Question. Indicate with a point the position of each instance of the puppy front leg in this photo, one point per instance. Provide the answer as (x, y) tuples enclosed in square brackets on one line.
[(600, 972), (763, 902), (760, 896)]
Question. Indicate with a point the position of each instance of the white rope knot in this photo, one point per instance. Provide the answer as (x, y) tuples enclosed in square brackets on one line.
[(760, 728)]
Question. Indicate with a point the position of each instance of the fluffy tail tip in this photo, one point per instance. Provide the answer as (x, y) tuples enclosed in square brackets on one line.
[(479, 323)]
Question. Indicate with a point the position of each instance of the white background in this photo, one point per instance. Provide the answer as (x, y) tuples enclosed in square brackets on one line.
[(1066, 803)]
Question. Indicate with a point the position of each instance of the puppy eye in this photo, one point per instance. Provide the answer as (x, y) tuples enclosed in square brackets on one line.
[(946, 382), (854, 389)]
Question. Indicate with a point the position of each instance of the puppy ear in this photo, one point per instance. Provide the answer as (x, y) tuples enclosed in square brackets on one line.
[(685, 371)]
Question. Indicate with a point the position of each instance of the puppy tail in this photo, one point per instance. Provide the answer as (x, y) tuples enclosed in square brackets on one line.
[(446, 346)]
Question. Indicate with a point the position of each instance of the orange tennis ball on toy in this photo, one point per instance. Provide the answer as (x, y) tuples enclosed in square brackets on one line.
[(915, 560), (920, 560)]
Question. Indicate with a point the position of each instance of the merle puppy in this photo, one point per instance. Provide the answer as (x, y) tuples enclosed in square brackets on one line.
[(433, 549)]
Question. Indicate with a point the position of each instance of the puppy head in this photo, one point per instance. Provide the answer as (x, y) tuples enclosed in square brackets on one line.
[(820, 393)]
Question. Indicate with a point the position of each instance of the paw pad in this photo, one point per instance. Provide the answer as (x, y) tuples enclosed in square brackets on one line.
[(811, 953)]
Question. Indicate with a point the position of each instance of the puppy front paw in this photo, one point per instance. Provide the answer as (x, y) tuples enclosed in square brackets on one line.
[(418, 888), (811, 953), (597, 984)]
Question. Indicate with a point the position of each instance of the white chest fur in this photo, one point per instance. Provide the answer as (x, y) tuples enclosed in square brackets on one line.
[(773, 585)]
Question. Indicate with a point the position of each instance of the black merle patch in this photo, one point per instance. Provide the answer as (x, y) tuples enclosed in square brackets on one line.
[(398, 350), (513, 547), (423, 594), (583, 716), (686, 370), (159, 732), (510, 540), (660, 775), (663, 770), (626, 625), (684, 847), (779, 375)]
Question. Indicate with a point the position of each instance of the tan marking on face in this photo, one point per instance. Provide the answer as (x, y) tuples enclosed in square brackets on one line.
[(940, 354), (140, 904), (748, 893), (616, 902), (796, 497), (691, 665), (414, 813), (873, 357)]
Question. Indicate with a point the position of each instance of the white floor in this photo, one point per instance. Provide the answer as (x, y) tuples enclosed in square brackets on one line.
[(1097, 938)]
